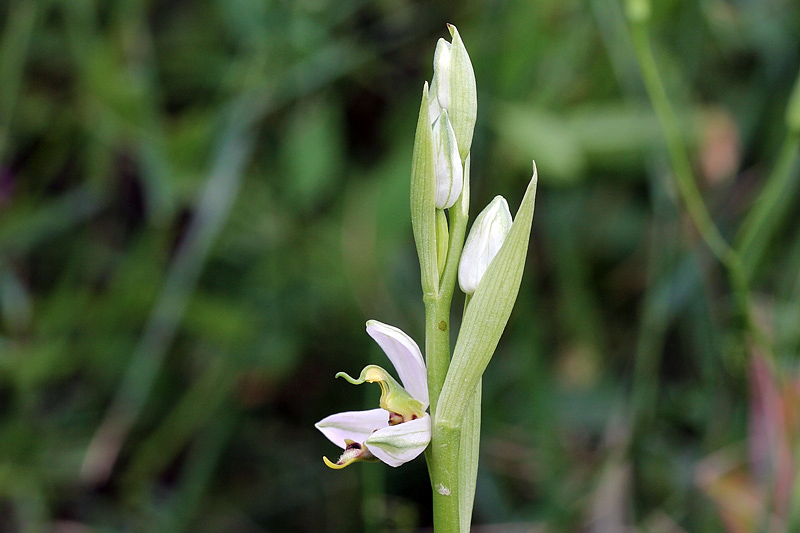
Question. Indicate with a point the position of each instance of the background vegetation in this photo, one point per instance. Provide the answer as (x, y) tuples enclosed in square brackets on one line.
[(201, 203)]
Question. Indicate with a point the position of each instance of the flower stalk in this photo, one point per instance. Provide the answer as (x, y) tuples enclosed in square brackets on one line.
[(437, 407)]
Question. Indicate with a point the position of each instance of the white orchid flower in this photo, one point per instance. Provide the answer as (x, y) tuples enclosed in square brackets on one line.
[(400, 429)]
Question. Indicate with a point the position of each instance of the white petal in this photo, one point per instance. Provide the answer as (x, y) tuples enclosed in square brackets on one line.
[(483, 242), (395, 445), (441, 73), (404, 354), (434, 109), (447, 169), (353, 425)]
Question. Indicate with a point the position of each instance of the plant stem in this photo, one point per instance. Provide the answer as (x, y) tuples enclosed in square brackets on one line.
[(444, 478), (770, 208), (681, 165), (443, 453), (437, 345), (638, 14)]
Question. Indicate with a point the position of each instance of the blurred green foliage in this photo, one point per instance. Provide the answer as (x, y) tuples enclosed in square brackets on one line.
[(201, 203)]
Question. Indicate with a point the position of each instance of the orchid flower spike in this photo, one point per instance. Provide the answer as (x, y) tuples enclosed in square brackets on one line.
[(400, 429), (483, 242)]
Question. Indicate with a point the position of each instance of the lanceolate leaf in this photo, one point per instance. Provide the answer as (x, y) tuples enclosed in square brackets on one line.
[(463, 93), (487, 315), (468, 453), (422, 200)]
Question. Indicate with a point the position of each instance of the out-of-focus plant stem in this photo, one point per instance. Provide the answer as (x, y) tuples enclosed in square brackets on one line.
[(638, 12), (771, 206), (214, 205), (13, 51)]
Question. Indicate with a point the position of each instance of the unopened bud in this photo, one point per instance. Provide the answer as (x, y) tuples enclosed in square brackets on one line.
[(483, 242), (447, 168)]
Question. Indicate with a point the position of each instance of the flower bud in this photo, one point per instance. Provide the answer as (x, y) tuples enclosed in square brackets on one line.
[(453, 89), (448, 172), (440, 84), (441, 78), (483, 242)]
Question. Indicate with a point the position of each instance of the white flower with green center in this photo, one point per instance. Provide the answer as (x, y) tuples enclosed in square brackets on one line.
[(400, 429)]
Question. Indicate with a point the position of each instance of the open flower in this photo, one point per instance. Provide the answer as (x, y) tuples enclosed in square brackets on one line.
[(400, 429)]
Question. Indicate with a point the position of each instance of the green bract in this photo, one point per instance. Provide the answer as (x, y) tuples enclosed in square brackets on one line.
[(460, 92), (487, 314), (423, 189)]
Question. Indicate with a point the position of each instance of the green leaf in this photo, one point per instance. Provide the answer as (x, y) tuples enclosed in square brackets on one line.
[(468, 453), (463, 93), (793, 109), (486, 315), (423, 211)]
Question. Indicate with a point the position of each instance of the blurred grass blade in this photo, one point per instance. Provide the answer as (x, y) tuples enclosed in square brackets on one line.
[(23, 227), (13, 51), (199, 404), (771, 207), (222, 186), (197, 474)]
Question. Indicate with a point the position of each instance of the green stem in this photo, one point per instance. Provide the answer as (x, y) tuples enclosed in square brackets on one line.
[(771, 207), (445, 448), (670, 126), (437, 346), (638, 14), (443, 452)]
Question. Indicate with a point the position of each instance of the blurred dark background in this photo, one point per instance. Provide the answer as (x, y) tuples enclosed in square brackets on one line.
[(201, 203)]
